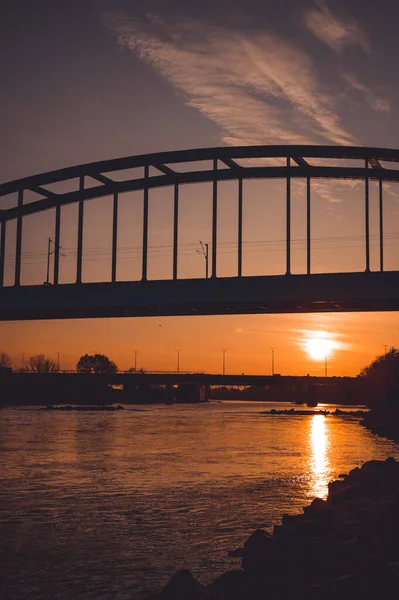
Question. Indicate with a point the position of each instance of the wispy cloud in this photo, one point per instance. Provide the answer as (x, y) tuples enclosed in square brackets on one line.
[(257, 87), (375, 102), (334, 31)]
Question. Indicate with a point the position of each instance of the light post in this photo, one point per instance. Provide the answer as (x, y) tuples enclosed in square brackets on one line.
[(272, 349), (22, 361), (49, 253), (385, 349), (135, 361), (58, 361), (178, 360), (205, 253), (224, 360)]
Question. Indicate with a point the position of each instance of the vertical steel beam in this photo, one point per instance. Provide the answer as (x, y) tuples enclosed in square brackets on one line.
[(2, 251), (175, 229), (288, 241), (17, 280), (57, 243), (381, 207), (145, 225), (214, 218), (367, 216), (308, 232), (114, 237), (80, 233), (240, 227)]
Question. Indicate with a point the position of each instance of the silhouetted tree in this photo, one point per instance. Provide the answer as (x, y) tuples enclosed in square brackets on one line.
[(41, 364), (381, 379), (96, 363), (5, 360)]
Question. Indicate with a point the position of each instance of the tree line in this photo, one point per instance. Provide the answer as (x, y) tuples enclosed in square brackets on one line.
[(39, 363)]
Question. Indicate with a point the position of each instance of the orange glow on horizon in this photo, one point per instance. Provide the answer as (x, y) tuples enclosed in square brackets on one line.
[(320, 345), (358, 339)]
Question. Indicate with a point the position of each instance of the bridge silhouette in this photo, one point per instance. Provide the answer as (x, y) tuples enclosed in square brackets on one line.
[(287, 293)]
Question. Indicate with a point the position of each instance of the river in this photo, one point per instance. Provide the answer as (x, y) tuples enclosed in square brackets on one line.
[(109, 505)]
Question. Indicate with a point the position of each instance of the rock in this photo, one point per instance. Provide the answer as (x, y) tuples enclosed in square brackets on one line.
[(344, 547), (257, 542), (256, 550), (236, 553), (289, 520), (317, 507), (184, 586), (230, 586)]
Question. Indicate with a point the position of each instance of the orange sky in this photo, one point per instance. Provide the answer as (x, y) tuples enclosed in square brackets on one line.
[(248, 340)]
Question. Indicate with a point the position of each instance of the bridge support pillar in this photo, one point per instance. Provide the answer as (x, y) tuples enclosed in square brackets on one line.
[(80, 233), (240, 227), (367, 216), (2, 251), (145, 225), (17, 280), (175, 229), (288, 217), (57, 243), (308, 225), (114, 237), (381, 218), (214, 218)]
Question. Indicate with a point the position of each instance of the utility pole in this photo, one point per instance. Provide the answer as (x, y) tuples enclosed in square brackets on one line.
[(272, 349), (385, 349), (178, 360), (135, 361), (49, 253), (22, 361), (58, 361), (204, 251), (224, 360)]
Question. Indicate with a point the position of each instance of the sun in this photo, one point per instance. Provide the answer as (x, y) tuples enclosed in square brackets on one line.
[(319, 346)]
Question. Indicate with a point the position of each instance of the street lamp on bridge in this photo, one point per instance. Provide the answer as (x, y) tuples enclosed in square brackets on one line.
[(178, 360), (272, 349), (224, 360), (204, 251)]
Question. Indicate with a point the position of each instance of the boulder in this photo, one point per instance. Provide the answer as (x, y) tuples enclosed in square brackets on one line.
[(258, 541), (183, 586), (232, 585)]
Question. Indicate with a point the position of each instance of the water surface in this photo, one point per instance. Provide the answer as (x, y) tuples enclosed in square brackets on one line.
[(108, 505)]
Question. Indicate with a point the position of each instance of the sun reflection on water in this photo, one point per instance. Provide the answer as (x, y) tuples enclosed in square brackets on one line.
[(319, 463)]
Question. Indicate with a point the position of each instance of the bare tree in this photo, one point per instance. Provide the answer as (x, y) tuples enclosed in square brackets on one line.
[(41, 364), (5, 360)]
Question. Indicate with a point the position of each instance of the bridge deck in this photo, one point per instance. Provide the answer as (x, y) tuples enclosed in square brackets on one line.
[(376, 291)]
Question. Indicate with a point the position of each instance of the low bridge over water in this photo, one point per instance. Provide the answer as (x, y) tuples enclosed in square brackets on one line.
[(82, 388), (286, 293)]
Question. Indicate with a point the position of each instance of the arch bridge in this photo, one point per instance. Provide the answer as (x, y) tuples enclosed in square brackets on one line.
[(287, 293)]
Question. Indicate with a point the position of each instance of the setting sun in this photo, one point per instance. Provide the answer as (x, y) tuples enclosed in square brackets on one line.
[(320, 346)]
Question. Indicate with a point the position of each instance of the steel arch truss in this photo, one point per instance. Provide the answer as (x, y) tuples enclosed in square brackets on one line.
[(113, 177)]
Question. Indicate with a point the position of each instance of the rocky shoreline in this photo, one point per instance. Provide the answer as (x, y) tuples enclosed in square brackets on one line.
[(303, 411), (384, 425), (346, 547)]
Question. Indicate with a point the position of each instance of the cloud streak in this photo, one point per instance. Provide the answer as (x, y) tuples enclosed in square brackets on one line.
[(375, 102), (334, 31), (257, 87)]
